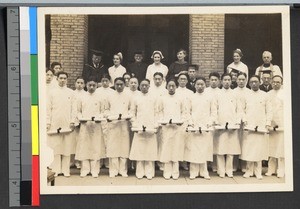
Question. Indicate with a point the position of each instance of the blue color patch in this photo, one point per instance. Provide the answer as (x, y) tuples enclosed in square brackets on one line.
[(33, 29)]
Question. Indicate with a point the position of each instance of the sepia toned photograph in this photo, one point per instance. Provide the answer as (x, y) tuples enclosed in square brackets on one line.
[(164, 99)]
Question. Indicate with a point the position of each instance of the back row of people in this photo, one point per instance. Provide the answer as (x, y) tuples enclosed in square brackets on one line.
[(141, 70)]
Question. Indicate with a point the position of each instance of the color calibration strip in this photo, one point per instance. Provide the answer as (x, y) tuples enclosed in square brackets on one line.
[(34, 106)]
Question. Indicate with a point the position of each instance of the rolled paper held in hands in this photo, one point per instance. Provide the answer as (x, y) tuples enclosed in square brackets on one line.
[(198, 129), (118, 117), (171, 121), (144, 129), (59, 131), (276, 128), (227, 126), (256, 129), (97, 119)]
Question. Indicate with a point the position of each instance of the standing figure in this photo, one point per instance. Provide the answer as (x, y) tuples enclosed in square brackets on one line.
[(118, 143), (61, 114), (186, 94), (258, 115), (157, 66), (96, 68), (192, 72), (138, 68), (213, 89), (103, 92), (117, 70), (267, 66), (171, 151), (237, 64), (90, 146), (78, 92), (144, 144), (199, 145), (179, 66), (241, 92), (276, 141), (227, 143)]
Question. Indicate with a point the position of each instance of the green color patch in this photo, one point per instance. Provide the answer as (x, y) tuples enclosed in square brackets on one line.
[(34, 79)]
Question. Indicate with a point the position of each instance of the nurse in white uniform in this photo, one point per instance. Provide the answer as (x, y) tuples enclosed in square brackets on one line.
[(61, 114), (118, 143), (117, 70), (144, 146), (276, 141), (157, 66), (90, 146), (171, 108), (258, 115), (199, 146), (227, 141)]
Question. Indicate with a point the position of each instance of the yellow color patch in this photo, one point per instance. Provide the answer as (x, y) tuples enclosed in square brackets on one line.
[(35, 129)]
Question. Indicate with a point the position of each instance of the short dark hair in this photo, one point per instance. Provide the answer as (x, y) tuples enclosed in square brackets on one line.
[(242, 73), (172, 79), (119, 79), (254, 76), (91, 78), (277, 76), (126, 74), (107, 76), (216, 74), (185, 74), (80, 77), (158, 73), (145, 79), (200, 78), (226, 74), (62, 73), (49, 69), (53, 64)]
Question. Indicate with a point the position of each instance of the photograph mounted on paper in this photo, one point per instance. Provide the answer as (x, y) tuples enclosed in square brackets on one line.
[(164, 99)]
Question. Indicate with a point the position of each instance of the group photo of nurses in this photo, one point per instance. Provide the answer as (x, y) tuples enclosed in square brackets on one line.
[(158, 121)]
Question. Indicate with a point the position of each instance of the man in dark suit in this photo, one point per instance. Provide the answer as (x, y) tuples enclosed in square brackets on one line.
[(192, 72), (138, 68), (266, 81), (96, 68)]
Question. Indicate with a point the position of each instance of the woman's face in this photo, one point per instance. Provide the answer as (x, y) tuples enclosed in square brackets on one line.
[(236, 57), (156, 58), (116, 60), (180, 56)]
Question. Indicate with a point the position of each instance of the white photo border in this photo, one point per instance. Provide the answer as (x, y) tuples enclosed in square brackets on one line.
[(202, 188)]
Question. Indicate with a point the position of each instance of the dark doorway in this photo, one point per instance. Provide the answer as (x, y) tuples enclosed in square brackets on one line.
[(253, 34), (128, 33)]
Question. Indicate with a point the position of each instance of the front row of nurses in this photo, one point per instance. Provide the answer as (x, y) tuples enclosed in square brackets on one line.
[(158, 138)]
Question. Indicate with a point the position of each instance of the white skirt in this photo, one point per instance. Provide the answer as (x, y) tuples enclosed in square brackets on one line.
[(90, 145), (62, 144), (255, 146), (118, 142), (172, 144), (227, 142), (199, 147), (144, 147), (276, 144)]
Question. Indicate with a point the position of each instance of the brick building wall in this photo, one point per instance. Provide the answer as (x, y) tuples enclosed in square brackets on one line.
[(207, 43), (69, 42)]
